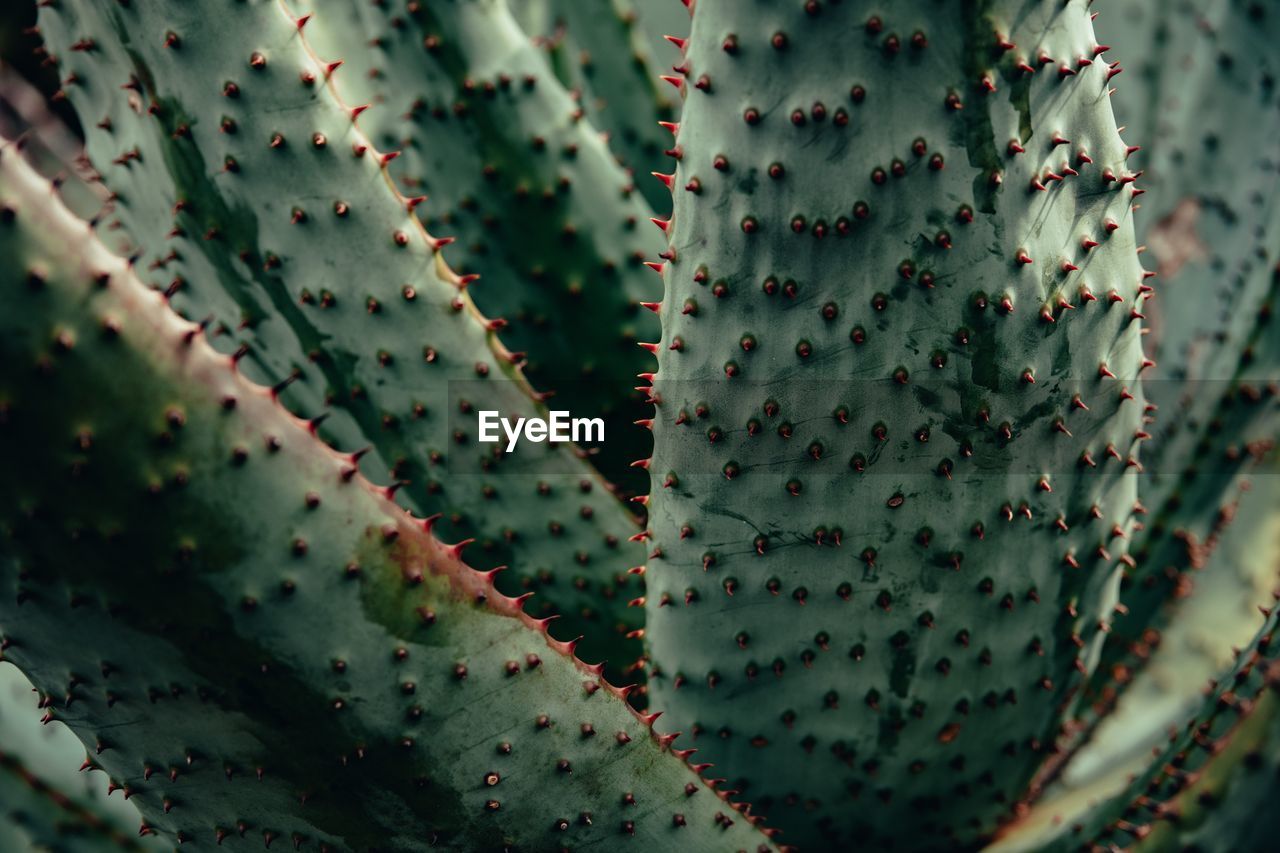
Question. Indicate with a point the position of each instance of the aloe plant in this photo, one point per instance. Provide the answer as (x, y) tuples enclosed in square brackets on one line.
[(933, 477), (415, 643)]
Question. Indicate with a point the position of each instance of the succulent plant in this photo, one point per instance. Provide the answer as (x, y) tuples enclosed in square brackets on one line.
[(950, 343), (938, 509), (403, 638)]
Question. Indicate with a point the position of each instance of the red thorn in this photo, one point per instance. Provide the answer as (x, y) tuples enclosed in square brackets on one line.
[(490, 576)]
